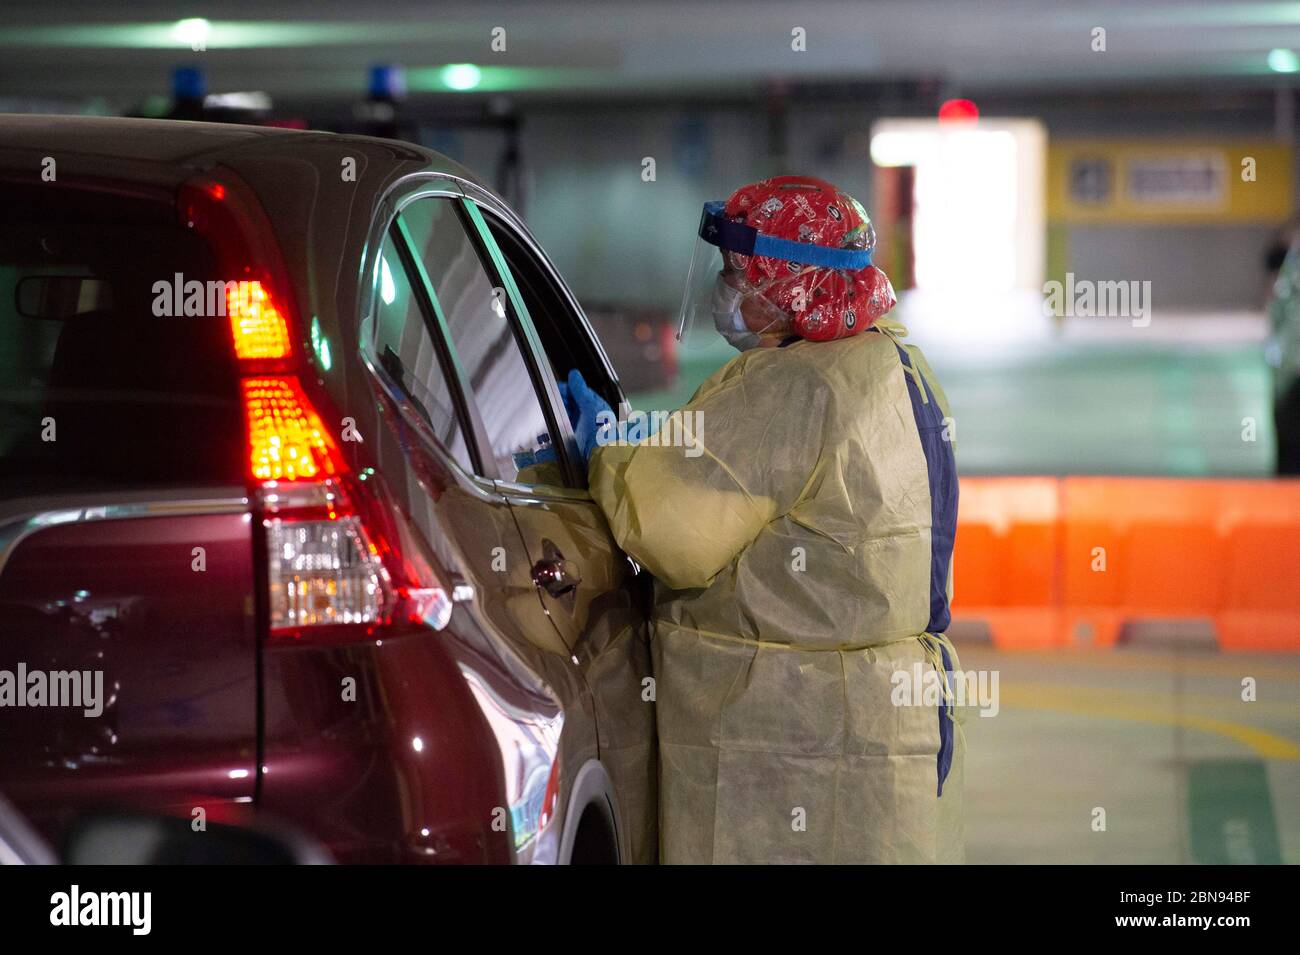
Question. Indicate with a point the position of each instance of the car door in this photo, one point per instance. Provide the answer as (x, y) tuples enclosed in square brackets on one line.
[(531, 694), (589, 601), (594, 595), (508, 427)]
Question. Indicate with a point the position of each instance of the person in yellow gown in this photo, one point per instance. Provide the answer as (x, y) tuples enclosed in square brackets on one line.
[(802, 554)]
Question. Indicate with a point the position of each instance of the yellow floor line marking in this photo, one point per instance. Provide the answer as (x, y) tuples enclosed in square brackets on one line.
[(1262, 743), (1124, 695), (1226, 665)]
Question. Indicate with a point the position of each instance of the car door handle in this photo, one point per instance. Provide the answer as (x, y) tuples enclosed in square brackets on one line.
[(553, 576)]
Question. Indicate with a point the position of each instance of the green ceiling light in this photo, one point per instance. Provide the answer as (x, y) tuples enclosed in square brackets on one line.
[(460, 76), (192, 32), (226, 34), (1283, 61), (508, 79)]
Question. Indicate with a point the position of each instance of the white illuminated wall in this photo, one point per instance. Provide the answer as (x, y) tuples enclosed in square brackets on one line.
[(979, 232)]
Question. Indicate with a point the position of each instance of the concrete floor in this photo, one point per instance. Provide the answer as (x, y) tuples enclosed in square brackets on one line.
[(1160, 740)]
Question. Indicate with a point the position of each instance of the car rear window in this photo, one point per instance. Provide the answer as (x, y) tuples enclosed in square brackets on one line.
[(101, 384)]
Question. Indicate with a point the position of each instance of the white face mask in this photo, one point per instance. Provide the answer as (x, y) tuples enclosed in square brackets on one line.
[(727, 318)]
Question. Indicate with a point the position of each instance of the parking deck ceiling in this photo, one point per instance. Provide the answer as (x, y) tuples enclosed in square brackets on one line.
[(305, 49)]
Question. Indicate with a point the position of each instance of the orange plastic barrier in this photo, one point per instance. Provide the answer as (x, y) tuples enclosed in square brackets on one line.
[(1005, 563), (1053, 562)]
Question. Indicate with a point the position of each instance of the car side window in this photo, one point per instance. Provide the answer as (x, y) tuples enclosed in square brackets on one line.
[(406, 349), (564, 340), (475, 312)]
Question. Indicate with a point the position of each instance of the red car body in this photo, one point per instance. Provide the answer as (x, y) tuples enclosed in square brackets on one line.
[(310, 587)]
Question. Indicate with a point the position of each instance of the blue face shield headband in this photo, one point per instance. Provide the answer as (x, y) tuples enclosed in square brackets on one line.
[(717, 229)]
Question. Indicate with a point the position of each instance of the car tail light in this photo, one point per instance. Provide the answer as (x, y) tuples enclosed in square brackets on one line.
[(323, 567), (286, 439), (341, 562), (258, 327), (322, 572)]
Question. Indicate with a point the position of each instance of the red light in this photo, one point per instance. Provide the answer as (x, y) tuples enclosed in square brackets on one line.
[(259, 330), (551, 797), (958, 110), (287, 441), (342, 564)]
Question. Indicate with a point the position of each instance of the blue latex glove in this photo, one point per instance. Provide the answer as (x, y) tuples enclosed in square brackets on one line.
[(570, 405), (584, 407)]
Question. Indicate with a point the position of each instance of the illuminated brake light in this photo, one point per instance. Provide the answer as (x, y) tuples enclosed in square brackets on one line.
[(286, 439), (342, 564), (258, 327)]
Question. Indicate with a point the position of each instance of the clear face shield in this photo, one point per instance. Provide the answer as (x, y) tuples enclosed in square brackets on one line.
[(722, 296)]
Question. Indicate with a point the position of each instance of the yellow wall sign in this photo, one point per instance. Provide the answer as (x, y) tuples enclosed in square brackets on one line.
[(1156, 182)]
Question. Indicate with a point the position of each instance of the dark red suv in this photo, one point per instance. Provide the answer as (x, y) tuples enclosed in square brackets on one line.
[(291, 513)]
